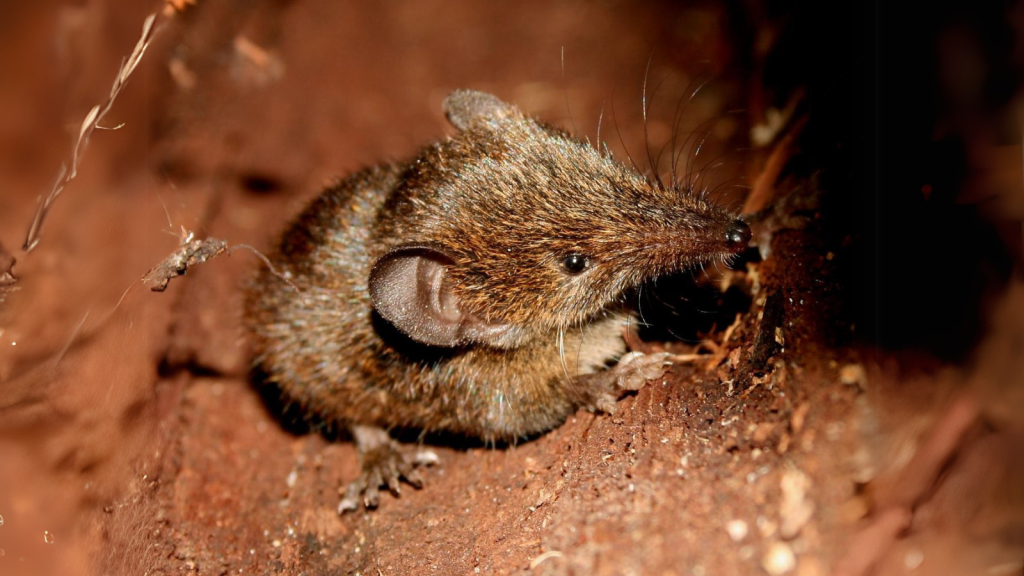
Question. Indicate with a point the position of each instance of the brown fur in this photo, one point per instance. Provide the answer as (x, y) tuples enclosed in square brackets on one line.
[(503, 201)]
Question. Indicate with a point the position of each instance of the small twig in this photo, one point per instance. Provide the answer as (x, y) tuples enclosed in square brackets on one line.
[(720, 350), (716, 351), (191, 252), (766, 343), (763, 190), (684, 358)]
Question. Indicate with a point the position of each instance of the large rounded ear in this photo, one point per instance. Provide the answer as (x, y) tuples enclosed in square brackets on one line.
[(466, 109), (410, 288)]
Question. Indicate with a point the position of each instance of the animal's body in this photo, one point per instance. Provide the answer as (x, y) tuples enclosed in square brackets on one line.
[(473, 289)]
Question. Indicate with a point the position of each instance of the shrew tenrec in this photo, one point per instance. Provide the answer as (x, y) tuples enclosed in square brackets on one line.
[(473, 289)]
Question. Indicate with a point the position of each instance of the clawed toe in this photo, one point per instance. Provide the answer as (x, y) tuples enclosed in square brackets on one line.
[(353, 492)]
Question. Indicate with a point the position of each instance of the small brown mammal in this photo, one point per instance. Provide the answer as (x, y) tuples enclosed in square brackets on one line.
[(474, 289)]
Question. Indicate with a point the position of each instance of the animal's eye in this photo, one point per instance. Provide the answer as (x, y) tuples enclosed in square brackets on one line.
[(575, 263)]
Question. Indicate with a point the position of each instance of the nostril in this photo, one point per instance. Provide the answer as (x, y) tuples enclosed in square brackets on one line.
[(738, 235)]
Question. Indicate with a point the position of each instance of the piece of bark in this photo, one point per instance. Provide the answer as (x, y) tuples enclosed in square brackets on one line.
[(189, 253)]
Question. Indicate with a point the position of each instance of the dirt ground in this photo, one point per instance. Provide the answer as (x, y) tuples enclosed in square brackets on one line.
[(846, 399)]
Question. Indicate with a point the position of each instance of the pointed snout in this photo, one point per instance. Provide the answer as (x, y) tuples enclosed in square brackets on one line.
[(737, 236)]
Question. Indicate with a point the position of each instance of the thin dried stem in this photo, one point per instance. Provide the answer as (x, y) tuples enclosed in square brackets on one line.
[(69, 170)]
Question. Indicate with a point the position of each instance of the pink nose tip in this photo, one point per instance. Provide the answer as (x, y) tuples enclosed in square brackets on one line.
[(738, 236)]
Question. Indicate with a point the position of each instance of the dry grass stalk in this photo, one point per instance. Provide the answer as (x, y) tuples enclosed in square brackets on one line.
[(69, 170)]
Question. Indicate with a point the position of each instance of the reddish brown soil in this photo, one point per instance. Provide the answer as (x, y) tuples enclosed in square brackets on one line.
[(131, 441)]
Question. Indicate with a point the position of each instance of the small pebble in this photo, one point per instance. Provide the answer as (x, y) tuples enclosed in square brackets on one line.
[(737, 530), (853, 375), (913, 559), (779, 559)]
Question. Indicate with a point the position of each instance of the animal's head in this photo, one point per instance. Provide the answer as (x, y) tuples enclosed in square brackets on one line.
[(512, 228)]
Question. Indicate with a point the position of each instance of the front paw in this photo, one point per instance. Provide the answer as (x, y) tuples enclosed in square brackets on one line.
[(636, 368), (631, 373)]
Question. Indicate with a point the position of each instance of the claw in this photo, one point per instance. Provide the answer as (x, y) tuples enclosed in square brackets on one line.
[(394, 485), (350, 503), (607, 404), (414, 478), (371, 497), (347, 505)]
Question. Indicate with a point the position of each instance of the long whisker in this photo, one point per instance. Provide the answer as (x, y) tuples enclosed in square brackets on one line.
[(676, 121), (579, 349), (647, 140), (705, 133), (561, 352), (565, 92), (629, 321), (639, 304), (615, 123)]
